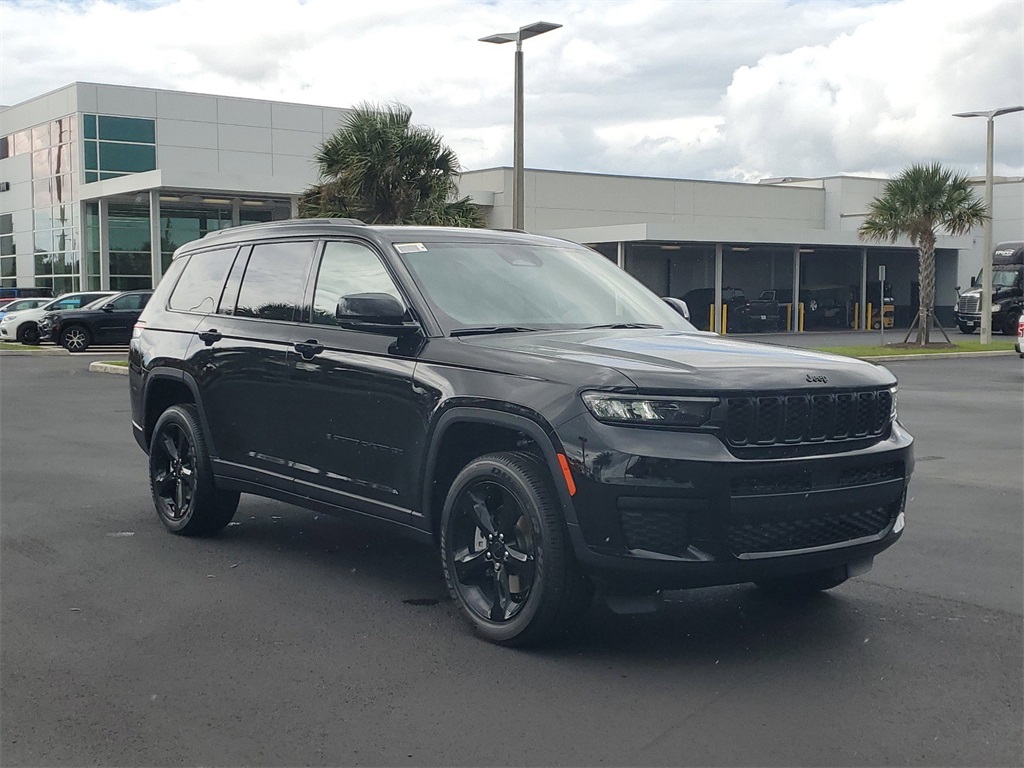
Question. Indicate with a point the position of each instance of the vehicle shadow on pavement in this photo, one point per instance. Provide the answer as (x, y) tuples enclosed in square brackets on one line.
[(714, 624)]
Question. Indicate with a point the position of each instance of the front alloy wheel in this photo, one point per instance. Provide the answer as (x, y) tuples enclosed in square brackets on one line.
[(174, 472), (507, 560)]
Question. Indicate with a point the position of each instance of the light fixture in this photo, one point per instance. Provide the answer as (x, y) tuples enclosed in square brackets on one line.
[(256, 202), (216, 201), (518, 172), (671, 247), (738, 248), (806, 250)]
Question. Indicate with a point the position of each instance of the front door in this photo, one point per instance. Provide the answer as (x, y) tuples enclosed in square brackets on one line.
[(361, 433), (119, 317)]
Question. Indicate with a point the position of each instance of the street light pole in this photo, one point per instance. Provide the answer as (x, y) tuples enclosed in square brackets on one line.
[(518, 169), (986, 257)]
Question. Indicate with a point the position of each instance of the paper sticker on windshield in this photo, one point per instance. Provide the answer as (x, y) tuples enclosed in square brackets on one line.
[(410, 247)]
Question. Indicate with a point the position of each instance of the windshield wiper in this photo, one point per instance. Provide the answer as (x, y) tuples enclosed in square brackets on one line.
[(616, 326), (485, 329)]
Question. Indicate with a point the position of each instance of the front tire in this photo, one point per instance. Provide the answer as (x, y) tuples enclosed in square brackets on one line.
[(181, 479), (507, 559), (29, 334), (75, 339), (968, 329)]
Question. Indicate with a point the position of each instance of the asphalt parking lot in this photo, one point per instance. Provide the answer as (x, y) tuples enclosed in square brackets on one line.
[(295, 639)]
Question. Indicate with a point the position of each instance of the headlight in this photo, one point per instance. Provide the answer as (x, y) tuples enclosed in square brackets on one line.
[(892, 410), (7, 318), (661, 411), (996, 308)]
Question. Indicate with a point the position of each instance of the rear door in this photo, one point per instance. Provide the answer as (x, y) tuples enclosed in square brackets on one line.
[(240, 360)]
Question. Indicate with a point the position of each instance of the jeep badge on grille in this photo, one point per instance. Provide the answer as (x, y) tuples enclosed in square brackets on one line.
[(817, 379)]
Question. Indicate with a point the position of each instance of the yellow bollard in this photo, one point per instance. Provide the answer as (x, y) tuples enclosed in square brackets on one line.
[(789, 316), (725, 319), (868, 324), (856, 315), (711, 318), (801, 317)]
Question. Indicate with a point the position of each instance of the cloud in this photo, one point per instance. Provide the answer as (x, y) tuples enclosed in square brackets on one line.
[(695, 89)]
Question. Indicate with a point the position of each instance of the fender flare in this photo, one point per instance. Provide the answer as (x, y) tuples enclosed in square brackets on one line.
[(543, 435), (165, 373)]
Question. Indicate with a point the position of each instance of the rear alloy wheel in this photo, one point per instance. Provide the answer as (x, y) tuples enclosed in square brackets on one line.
[(507, 560), (29, 334), (75, 339), (181, 479)]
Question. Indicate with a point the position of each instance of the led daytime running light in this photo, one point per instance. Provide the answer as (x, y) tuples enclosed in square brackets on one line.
[(665, 411)]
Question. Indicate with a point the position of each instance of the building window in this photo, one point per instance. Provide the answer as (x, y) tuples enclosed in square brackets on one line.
[(116, 146)]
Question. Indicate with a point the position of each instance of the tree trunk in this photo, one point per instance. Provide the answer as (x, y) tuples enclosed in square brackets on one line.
[(926, 286)]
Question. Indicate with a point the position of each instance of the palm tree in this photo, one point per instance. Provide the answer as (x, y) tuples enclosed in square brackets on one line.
[(380, 168), (915, 204)]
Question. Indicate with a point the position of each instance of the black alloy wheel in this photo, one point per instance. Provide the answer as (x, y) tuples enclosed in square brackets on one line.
[(75, 339), (507, 560), (29, 334), (181, 479)]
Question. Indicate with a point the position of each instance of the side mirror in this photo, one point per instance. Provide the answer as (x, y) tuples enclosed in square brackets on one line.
[(379, 312), (108, 307), (678, 305), (974, 282)]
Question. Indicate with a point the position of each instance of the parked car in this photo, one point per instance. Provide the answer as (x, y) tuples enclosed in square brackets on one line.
[(825, 306), (20, 305), (24, 326), (33, 292), (107, 321), (700, 300), (518, 402)]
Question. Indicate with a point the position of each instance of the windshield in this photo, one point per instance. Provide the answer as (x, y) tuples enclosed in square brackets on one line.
[(1003, 277), (513, 286), (14, 306)]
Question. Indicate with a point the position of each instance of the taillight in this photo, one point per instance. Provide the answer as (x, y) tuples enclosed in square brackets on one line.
[(137, 329), (1020, 328)]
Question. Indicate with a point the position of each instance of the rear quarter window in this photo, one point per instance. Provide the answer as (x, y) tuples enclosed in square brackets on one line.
[(198, 289)]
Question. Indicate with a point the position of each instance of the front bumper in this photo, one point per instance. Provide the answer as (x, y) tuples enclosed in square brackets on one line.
[(659, 509)]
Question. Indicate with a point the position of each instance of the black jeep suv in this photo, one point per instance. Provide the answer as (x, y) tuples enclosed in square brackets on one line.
[(108, 322), (518, 401)]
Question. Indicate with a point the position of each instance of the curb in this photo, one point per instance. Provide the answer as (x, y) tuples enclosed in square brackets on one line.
[(100, 367), (936, 356)]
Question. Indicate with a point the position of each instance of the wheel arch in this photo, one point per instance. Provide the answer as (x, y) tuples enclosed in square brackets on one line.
[(169, 386), (464, 433)]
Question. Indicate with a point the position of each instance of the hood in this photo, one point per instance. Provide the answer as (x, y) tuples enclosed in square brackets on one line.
[(658, 359)]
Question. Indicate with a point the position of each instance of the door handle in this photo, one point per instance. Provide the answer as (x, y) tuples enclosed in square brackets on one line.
[(309, 348), (210, 336)]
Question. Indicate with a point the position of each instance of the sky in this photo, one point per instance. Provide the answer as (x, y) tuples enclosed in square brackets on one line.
[(732, 90)]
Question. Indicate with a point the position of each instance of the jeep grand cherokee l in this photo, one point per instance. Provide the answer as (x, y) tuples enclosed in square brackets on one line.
[(518, 401)]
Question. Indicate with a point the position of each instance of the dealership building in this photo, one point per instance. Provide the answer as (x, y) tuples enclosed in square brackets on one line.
[(99, 184)]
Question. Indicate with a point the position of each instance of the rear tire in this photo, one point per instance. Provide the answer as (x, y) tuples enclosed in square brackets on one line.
[(805, 583), (181, 478), (507, 559), (1010, 325), (968, 329), (75, 338)]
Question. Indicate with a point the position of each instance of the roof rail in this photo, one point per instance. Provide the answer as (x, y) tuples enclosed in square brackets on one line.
[(284, 223)]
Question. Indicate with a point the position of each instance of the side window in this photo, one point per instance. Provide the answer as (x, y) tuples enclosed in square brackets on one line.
[(131, 301), (345, 269), (72, 303), (199, 286), (273, 281)]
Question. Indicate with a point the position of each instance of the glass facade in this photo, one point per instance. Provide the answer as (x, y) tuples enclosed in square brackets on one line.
[(63, 234)]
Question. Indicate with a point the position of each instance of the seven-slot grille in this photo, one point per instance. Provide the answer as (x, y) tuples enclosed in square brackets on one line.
[(807, 418), (969, 304)]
